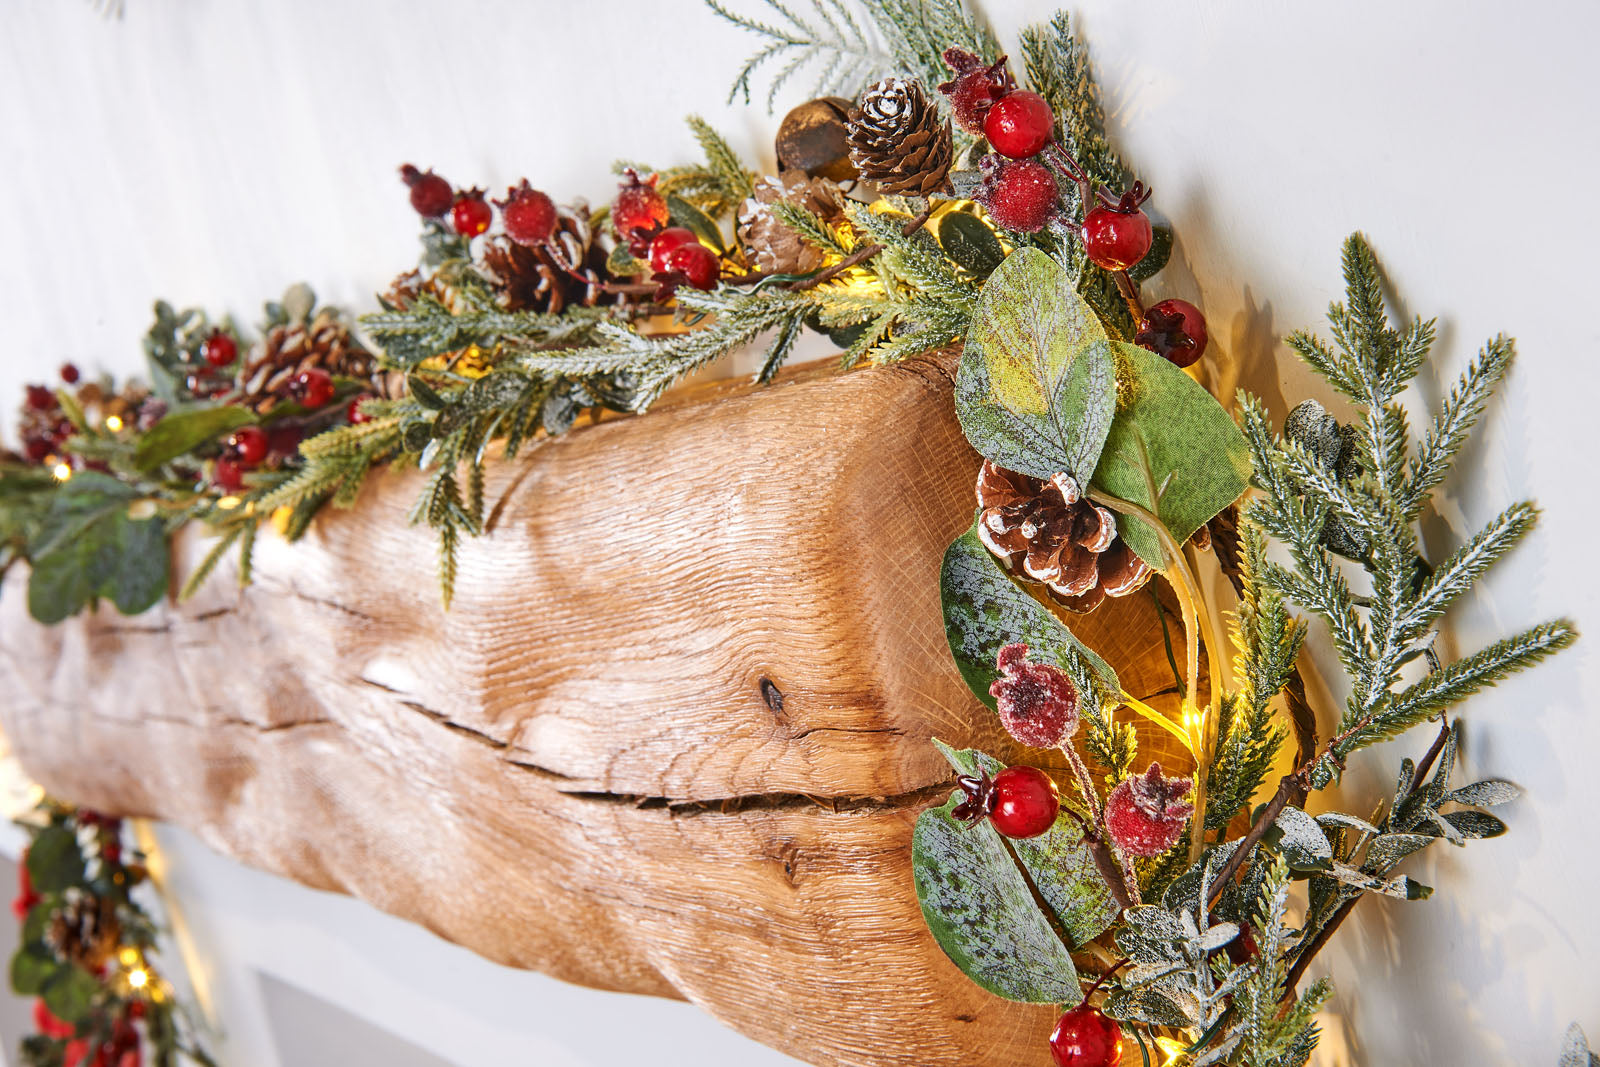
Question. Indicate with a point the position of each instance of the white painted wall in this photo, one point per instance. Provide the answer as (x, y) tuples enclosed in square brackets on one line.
[(212, 152)]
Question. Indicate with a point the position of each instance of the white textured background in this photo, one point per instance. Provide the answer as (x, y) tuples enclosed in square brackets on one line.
[(212, 153)]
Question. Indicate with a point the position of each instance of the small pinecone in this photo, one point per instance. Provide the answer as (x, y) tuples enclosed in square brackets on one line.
[(84, 930), (1048, 532), (774, 246), (533, 278), (290, 348), (898, 139)]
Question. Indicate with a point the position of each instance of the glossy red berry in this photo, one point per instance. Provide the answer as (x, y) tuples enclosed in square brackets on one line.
[(41, 397), (353, 414), (69, 373), (1174, 330), (668, 241), (530, 216), (312, 387), (975, 87), (1020, 194), (431, 195), (638, 207), (1025, 802), (1145, 814), (1020, 124), (1084, 1037), (695, 262), (471, 214), (219, 349), (247, 446), (227, 475), (1116, 236)]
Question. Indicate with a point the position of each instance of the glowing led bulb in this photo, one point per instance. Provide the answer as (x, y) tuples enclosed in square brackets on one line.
[(138, 978), (61, 472), (114, 423)]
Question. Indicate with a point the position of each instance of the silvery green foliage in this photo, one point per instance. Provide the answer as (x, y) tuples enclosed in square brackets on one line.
[(1575, 1050)]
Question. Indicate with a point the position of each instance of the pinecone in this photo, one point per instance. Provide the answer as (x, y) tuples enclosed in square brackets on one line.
[(536, 278), (898, 139), (1048, 532), (84, 930), (774, 246), (290, 348)]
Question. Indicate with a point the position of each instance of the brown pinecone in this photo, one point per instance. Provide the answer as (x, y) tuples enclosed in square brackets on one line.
[(774, 246), (898, 139), (1049, 532), (535, 278), (290, 348), (84, 930)]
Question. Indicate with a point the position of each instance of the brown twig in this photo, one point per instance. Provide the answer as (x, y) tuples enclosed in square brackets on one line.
[(1130, 295), (859, 256)]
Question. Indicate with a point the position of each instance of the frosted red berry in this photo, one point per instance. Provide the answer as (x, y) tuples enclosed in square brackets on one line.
[(247, 446), (228, 475), (312, 387), (530, 216), (695, 262), (1084, 1037), (431, 195), (1020, 124), (975, 87), (1025, 802), (219, 349), (1174, 330), (668, 241), (1019, 194), (471, 213), (1145, 814), (353, 414), (1038, 703), (1118, 235), (638, 208), (69, 373)]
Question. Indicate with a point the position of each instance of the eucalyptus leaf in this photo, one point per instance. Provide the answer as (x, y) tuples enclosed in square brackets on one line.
[(683, 213), (31, 968), (1475, 825), (1486, 794), (117, 557), (971, 243), (1198, 460), (1145, 1006), (1301, 841), (69, 993), (182, 431), (1386, 851), (1036, 389)]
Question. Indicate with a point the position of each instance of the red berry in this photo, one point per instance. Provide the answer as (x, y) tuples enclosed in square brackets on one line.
[(1084, 1037), (1025, 802), (1242, 949), (228, 475), (1145, 813), (47, 1023), (975, 87), (1117, 237), (219, 349), (471, 214), (41, 397), (69, 373), (638, 206), (668, 241), (112, 853), (1019, 194), (1020, 124), (38, 449), (247, 446), (76, 1053), (353, 414), (697, 263), (1038, 702), (431, 195), (1174, 330), (530, 216), (284, 439), (312, 387)]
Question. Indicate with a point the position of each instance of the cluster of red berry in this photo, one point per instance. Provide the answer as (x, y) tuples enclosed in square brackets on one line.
[(1020, 190), (50, 426), (640, 216)]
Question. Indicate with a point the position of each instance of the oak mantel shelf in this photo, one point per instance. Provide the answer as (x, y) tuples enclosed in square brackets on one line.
[(671, 738)]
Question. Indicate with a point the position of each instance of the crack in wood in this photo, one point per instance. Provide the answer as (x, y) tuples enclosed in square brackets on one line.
[(771, 801)]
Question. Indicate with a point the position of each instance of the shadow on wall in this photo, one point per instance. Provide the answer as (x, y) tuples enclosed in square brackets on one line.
[(310, 1032)]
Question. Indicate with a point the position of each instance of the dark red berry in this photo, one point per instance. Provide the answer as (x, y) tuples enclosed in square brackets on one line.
[(1174, 330), (112, 853), (38, 449), (1020, 124), (1084, 1037), (695, 262), (69, 373), (975, 87), (1019, 194), (219, 349), (530, 216), (1243, 949), (312, 387), (471, 214), (431, 195), (668, 241), (1117, 235), (638, 207), (353, 414), (247, 446), (284, 440), (41, 397), (1025, 802), (228, 475)]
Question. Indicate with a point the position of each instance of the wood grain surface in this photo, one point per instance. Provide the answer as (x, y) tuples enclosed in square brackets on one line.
[(671, 739)]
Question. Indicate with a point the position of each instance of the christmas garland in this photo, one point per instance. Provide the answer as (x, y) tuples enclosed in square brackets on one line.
[(943, 204)]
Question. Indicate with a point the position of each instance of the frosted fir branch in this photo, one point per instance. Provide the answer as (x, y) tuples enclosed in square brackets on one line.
[(1456, 417), (845, 54)]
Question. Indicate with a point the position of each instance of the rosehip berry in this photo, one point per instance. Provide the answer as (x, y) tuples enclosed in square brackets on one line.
[(312, 387), (41, 398), (431, 195), (638, 206), (1118, 236), (1174, 330), (1025, 802), (975, 87), (1020, 124), (247, 446), (228, 475), (1020, 194), (697, 263), (1084, 1037), (530, 216), (69, 373), (668, 241), (219, 349), (471, 214), (1145, 813), (353, 414)]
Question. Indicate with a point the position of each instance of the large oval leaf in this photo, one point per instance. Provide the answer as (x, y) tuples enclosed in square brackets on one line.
[(1036, 390)]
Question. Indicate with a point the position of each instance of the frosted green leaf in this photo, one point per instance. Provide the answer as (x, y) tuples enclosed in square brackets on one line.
[(1036, 390), (1301, 841)]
